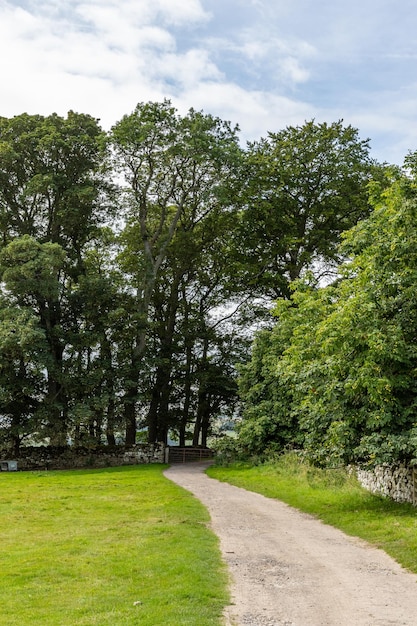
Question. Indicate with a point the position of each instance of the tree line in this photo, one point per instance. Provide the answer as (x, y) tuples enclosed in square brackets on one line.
[(136, 263), (336, 373)]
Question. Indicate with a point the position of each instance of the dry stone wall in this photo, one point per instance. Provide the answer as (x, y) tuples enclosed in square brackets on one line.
[(397, 483), (57, 458)]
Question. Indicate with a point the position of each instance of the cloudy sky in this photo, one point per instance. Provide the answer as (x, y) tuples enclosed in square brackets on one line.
[(263, 64)]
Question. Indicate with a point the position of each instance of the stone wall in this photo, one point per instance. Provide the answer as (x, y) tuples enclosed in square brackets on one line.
[(395, 482), (57, 458)]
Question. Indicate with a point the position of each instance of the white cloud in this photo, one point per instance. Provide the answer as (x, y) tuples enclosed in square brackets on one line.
[(388, 119), (293, 70), (256, 112), (272, 60), (185, 70), (138, 13), (181, 11), (259, 63), (91, 57)]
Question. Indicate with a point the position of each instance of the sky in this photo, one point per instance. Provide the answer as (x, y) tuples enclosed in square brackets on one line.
[(261, 64)]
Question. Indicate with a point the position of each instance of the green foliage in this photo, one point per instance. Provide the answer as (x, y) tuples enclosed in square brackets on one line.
[(23, 353), (178, 172), (267, 418), (49, 178), (53, 198), (143, 322), (304, 186), (30, 270), (349, 361)]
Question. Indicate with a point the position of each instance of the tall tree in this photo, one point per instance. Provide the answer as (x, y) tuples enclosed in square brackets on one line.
[(174, 167), (51, 194), (349, 358), (30, 274), (195, 283), (50, 179), (305, 185), (95, 335)]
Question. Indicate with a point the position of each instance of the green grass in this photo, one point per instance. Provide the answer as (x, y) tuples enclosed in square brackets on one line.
[(334, 497), (119, 546)]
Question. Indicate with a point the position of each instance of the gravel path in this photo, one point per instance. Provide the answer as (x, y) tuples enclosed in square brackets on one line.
[(289, 569)]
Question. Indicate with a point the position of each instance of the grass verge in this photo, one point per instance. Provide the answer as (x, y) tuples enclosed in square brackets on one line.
[(119, 546), (335, 497)]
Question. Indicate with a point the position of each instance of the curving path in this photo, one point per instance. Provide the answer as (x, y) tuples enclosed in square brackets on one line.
[(289, 569)]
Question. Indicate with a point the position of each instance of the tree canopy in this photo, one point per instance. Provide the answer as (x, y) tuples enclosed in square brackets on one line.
[(342, 358), (303, 187), (134, 265)]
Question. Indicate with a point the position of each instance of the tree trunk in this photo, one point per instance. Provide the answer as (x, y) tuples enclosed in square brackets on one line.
[(157, 418), (158, 415), (108, 384), (185, 417), (152, 417), (50, 317), (130, 424), (111, 440), (129, 401), (202, 394)]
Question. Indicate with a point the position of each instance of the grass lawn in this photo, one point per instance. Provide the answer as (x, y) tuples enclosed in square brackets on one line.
[(114, 547), (334, 497)]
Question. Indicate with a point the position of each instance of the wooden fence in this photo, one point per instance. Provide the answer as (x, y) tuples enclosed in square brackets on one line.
[(188, 454)]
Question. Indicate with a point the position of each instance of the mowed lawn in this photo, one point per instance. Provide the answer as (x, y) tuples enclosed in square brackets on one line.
[(106, 547)]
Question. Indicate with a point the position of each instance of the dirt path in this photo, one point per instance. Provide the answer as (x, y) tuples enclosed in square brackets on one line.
[(289, 569)]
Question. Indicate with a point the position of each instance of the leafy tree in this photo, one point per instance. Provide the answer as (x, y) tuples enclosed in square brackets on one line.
[(305, 185), (22, 357), (50, 179), (349, 360), (30, 274), (175, 168), (52, 201), (210, 331), (92, 368), (101, 325), (378, 321), (268, 422)]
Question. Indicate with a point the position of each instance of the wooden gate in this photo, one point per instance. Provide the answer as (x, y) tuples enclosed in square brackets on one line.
[(188, 454)]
